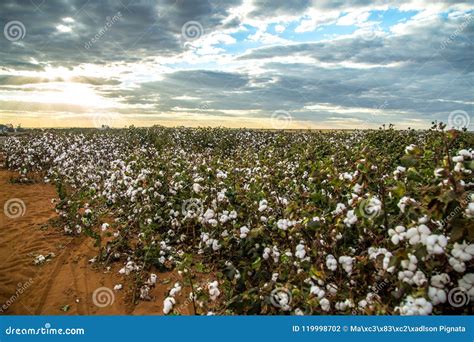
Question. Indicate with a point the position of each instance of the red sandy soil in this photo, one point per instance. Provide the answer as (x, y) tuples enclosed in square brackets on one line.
[(64, 285)]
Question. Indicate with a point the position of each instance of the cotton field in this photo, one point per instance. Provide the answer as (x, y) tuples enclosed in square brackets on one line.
[(270, 222)]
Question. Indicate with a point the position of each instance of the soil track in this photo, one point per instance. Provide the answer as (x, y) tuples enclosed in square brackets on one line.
[(64, 284)]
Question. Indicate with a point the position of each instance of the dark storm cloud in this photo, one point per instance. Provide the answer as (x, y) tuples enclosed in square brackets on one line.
[(138, 29)]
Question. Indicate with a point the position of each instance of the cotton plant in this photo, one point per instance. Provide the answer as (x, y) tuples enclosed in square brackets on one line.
[(279, 207)]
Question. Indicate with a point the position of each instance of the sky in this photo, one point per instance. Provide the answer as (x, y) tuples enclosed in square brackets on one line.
[(237, 63)]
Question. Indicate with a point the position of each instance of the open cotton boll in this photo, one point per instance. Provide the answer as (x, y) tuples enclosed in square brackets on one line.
[(437, 296), (175, 290), (435, 244), (331, 262), (263, 205), (470, 210), (467, 283), (214, 290), (440, 280), (396, 235), (105, 226), (350, 219), (458, 265), (118, 287), (152, 280), (300, 251), (418, 234), (340, 207), (316, 290), (325, 304), (244, 232), (168, 304), (463, 251), (415, 307), (346, 263)]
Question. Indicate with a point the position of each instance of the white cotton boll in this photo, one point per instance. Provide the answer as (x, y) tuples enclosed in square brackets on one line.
[(215, 245), (331, 288), (274, 277), (243, 232), (435, 244), (358, 188), (331, 262), (209, 214), (410, 264), (463, 251), (404, 201), (458, 159), (316, 290), (470, 210), (342, 306), (419, 279), (325, 304), (350, 219), (39, 259), (153, 278), (440, 280), (105, 226), (197, 187), (118, 287), (467, 283), (396, 235), (299, 312), (415, 306), (175, 290), (418, 234), (346, 263), (300, 251), (263, 205), (458, 265), (266, 253), (437, 296), (340, 207), (168, 304), (214, 290)]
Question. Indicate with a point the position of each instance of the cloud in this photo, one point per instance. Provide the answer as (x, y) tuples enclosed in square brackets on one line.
[(253, 57)]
